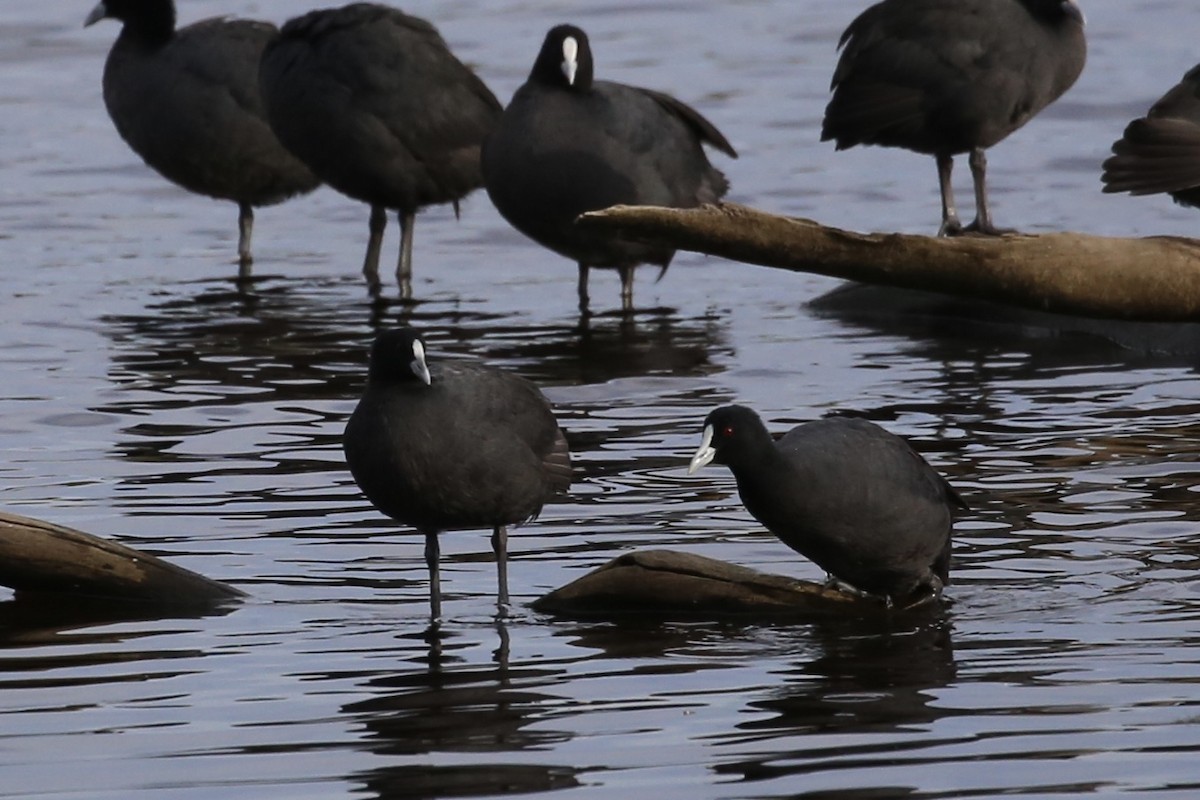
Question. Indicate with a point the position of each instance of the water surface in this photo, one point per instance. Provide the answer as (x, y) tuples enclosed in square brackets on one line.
[(147, 399)]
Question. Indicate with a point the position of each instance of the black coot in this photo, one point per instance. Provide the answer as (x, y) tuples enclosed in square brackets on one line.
[(453, 446), (1161, 151), (944, 77), (569, 144), (843, 492), (375, 103), (187, 102)]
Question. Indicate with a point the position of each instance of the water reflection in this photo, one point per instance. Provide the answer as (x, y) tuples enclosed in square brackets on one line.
[(293, 342), (867, 679), (874, 674), (428, 713), (469, 780), (942, 324), (462, 711), (59, 644), (215, 382), (42, 619), (146, 397)]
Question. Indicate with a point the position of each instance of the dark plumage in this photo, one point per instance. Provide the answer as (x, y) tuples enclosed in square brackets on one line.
[(843, 492), (569, 144), (944, 77), (1161, 151), (187, 102), (375, 103), (453, 446)]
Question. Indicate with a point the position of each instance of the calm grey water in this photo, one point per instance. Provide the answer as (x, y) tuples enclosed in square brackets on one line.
[(145, 399)]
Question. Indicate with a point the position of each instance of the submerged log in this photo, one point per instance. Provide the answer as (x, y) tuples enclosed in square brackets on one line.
[(1155, 278), (38, 557), (670, 583)]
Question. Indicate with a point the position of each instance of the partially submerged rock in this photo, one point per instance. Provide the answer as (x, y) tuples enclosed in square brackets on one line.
[(38, 557), (670, 583)]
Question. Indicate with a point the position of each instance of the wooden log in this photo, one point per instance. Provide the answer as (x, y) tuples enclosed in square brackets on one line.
[(38, 557), (670, 583), (1155, 278)]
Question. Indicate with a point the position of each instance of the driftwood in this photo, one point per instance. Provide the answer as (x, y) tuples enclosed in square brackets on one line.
[(670, 583), (39, 557), (1156, 278)]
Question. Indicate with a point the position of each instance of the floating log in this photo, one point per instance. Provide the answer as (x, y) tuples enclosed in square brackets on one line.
[(670, 583), (38, 557), (1153, 279)]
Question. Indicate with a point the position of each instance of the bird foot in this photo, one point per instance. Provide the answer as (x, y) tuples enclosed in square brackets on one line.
[(922, 595), (988, 229), (836, 584), (950, 227), (976, 228)]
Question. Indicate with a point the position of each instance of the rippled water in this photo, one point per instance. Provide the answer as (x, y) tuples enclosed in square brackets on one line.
[(145, 398)]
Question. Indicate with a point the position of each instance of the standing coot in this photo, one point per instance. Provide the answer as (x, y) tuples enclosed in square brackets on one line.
[(375, 103), (1161, 151), (187, 102), (569, 144), (455, 446), (952, 76), (843, 492)]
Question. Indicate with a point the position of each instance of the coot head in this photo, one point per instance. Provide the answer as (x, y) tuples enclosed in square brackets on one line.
[(398, 356), (733, 435), (565, 59), (148, 17)]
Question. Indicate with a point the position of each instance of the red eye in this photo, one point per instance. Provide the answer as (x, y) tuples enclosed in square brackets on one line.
[(727, 431)]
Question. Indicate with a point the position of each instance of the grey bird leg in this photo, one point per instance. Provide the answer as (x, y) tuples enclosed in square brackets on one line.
[(983, 215), (500, 548), (950, 222), (245, 231), (404, 265), (626, 288), (432, 551), (837, 584), (583, 288), (376, 224)]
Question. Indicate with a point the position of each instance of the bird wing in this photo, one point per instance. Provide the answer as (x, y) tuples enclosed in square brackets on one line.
[(1155, 154), (512, 405), (704, 130)]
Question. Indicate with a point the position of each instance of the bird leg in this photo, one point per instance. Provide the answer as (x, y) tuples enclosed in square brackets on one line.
[(837, 584), (500, 548), (983, 215), (375, 225), (950, 223), (404, 265), (432, 551), (626, 274), (245, 230), (583, 288)]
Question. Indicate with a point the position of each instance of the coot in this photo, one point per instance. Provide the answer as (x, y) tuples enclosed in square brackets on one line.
[(843, 492), (375, 103), (944, 77), (1161, 151), (187, 102), (453, 446), (569, 144)]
